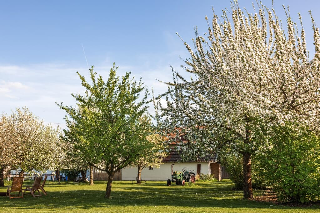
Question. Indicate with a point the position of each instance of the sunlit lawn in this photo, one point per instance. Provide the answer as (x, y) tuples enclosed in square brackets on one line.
[(147, 197)]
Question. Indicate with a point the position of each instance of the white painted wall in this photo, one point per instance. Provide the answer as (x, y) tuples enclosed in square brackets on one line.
[(32, 174), (164, 172)]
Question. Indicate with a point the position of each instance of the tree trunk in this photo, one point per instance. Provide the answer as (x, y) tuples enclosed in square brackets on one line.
[(247, 187), (58, 175), (83, 176), (91, 175), (139, 174), (2, 176), (109, 185), (247, 184)]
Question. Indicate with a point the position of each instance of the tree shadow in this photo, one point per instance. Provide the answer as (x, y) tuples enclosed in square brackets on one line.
[(141, 195)]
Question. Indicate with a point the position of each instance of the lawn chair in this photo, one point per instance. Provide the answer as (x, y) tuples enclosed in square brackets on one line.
[(42, 185), (37, 187), (15, 187)]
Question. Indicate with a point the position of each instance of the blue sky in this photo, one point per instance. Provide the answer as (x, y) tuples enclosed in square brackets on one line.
[(42, 44)]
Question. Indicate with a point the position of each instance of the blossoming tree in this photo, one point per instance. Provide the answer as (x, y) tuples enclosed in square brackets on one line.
[(9, 147), (248, 72), (27, 143)]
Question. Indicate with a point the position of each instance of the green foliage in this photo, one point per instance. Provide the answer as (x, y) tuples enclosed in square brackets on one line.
[(233, 164), (291, 163), (154, 154), (207, 177), (71, 174), (75, 159), (106, 128)]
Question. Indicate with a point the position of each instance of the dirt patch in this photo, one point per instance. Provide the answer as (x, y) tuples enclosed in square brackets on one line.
[(267, 196), (271, 197)]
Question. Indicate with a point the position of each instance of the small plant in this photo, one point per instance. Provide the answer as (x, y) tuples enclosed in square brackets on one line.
[(206, 177)]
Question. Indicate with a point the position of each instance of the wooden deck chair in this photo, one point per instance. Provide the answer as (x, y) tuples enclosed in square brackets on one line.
[(36, 187), (43, 183), (15, 187)]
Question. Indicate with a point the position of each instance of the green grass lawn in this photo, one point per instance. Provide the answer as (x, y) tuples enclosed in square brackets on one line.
[(147, 197)]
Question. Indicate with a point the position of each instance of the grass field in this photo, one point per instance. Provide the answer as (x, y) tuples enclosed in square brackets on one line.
[(147, 197)]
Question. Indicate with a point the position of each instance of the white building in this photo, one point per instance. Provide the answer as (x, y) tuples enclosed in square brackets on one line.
[(165, 170)]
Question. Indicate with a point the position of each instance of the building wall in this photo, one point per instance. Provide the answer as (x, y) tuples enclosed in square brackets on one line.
[(28, 175), (164, 171)]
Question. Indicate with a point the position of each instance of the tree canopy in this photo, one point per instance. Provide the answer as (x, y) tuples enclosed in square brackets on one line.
[(106, 124), (249, 73), (27, 143)]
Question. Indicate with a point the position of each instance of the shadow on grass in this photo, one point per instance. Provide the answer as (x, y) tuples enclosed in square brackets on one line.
[(126, 194)]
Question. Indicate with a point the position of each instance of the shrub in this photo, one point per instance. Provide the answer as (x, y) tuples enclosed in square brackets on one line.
[(291, 164), (207, 177), (233, 164), (72, 174)]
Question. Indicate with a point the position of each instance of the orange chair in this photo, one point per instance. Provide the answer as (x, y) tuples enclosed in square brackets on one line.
[(15, 187), (37, 187)]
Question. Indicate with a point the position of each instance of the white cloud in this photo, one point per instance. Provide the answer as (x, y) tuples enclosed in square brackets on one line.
[(10, 89), (16, 85), (4, 90), (40, 86), (11, 70)]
